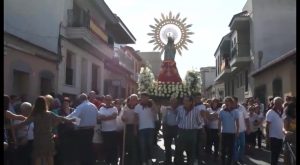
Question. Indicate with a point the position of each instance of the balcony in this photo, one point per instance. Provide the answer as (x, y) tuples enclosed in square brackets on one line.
[(240, 21), (82, 31), (124, 60), (225, 71), (240, 55)]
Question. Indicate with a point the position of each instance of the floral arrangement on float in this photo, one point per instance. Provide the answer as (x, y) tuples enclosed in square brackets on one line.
[(193, 81), (159, 90), (145, 79)]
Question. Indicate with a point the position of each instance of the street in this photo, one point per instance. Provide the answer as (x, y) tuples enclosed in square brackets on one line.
[(258, 157)]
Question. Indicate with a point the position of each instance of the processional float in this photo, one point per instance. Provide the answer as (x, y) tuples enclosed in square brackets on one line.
[(169, 34)]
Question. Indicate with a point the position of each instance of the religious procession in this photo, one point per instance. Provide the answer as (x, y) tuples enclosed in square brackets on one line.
[(76, 93)]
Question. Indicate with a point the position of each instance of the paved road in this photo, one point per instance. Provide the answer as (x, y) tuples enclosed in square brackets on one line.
[(257, 157)]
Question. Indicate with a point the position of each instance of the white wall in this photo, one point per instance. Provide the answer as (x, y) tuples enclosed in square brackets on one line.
[(36, 21), (210, 77), (79, 70), (272, 31), (274, 27)]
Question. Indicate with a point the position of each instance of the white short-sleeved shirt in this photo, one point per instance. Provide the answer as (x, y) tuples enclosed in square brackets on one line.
[(276, 124), (243, 114), (252, 120), (23, 131), (108, 125), (201, 108), (261, 118), (213, 124), (146, 116)]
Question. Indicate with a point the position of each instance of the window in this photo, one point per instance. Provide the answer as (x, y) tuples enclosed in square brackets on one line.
[(45, 86), (94, 77), (232, 87), (237, 81), (217, 70), (227, 88), (277, 87), (84, 75), (110, 42), (69, 69), (21, 82), (246, 81), (260, 92), (241, 79)]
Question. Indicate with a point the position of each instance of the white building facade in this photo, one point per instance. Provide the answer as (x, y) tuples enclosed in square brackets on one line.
[(208, 75), (262, 32), (80, 33)]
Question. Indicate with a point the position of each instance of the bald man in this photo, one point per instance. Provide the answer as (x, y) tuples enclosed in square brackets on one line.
[(87, 113), (274, 129), (93, 99)]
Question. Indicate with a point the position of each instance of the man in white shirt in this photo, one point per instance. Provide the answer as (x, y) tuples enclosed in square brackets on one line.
[(201, 134), (145, 116), (213, 136), (87, 113), (170, 128), (274, 129), (108, 114), (24, 136), (244, 127)]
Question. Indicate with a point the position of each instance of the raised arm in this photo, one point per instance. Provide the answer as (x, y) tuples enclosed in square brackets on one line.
[(23, 123), (75, 113), (12, 116), (110, 117)]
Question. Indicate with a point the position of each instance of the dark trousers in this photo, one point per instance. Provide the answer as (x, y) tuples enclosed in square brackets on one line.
[(131, 146), (200, 144), (146, 143), (120, 135), (84, 146), (110, 147), (156, 132), (24, 153), (228, 140), (276, 148), (169, 133), (185, 141), (212, 140), (258, 137)]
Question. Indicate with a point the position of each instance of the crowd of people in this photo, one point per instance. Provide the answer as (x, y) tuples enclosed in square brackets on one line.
[(58, 130)]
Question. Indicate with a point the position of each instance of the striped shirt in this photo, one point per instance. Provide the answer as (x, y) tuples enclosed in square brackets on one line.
[(188, 120)]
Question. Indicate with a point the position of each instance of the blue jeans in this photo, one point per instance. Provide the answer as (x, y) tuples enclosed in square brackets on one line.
[(146, 143), (239, 147)]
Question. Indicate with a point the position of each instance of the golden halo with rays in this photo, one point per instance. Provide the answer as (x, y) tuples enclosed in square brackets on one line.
[(170, 25)]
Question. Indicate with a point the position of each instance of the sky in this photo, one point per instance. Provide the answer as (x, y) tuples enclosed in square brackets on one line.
[(209, 19)]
